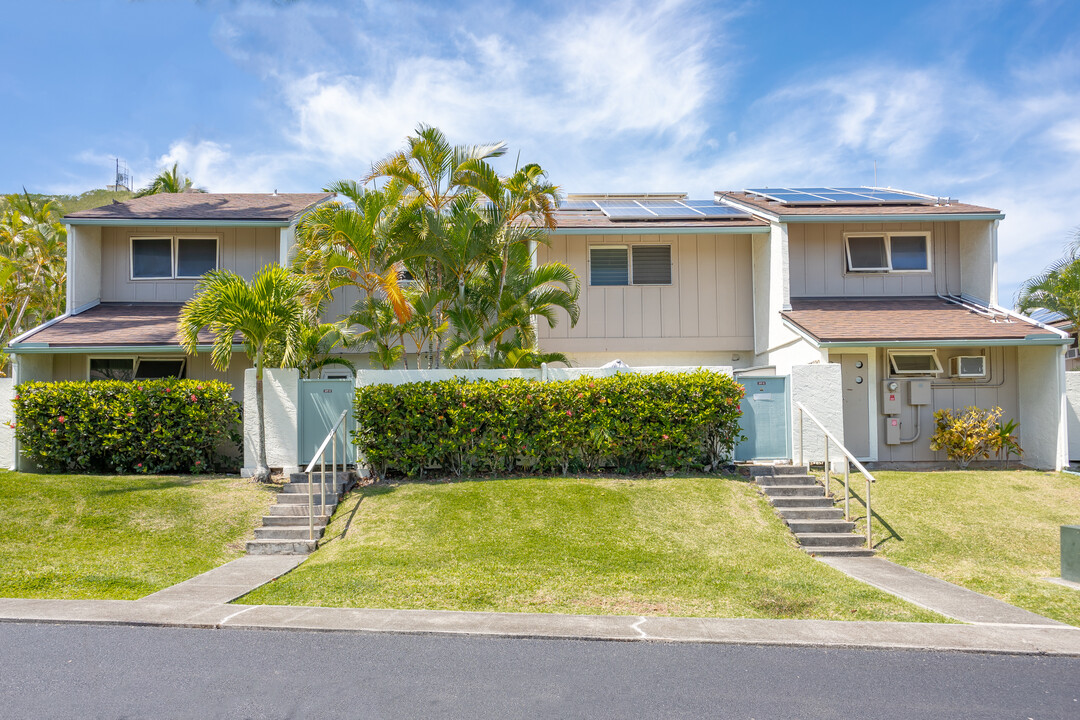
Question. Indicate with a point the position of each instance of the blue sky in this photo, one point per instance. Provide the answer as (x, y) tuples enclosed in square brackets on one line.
[(976, 100)]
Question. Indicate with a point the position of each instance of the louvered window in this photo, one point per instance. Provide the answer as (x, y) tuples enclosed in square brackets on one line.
[(652, 264), (636, 265)]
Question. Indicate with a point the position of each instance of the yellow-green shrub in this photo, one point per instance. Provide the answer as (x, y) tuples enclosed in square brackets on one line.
[(968, 435), (627, 422), (144, 426)]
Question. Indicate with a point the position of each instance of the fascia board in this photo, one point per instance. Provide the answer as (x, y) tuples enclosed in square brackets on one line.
[(43, 349), (682, 230), (126, 222), (945, 217), (967, 342)]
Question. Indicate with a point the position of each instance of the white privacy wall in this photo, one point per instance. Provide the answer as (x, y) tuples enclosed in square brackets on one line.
[(7, 417), (1042, 406), (281, 399), (401, 377), (819, 388)]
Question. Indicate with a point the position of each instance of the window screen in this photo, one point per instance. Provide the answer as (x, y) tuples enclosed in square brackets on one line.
[(152, 369), (195, 256), (112, 368), (912, 363), (908, 252), (151, 257), (867, 253), (652, 264), (609, 266)]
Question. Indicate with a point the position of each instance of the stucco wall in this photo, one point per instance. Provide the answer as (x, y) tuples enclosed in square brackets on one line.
[(1072, 413), (7, 418), (1042, 406), (401, 377), (84, 267), (818, 388), (281, 399), (978, 259)]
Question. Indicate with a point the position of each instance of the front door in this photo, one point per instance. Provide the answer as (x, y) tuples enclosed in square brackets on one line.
[(765, 421), (855, 377)]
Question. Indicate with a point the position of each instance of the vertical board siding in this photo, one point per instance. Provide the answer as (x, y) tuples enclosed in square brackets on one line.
[(710, 295), (244, 250), (818, 261)]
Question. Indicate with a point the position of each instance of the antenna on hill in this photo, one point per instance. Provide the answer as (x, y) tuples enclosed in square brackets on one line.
[(122, 179)]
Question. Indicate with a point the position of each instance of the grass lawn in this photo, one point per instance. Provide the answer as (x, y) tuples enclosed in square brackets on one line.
[(101, 536), (691, 546), (995, 532)]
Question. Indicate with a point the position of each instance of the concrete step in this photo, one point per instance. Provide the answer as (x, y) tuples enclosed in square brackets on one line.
[(347, 476), (801, 513), (281, 547), (284, 498), (799, 526), (769, 480), (796, 501), (788, 490), (301, 487), (288, 520), (826, 551), (287, 532), (294, 510), (819, 539), (790, 470)]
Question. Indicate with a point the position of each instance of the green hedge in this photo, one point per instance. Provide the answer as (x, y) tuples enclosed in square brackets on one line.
[(144, 426), (626, 423)]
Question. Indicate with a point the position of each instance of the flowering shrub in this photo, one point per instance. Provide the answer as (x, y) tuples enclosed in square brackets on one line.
[(144, 426), (626, 423)]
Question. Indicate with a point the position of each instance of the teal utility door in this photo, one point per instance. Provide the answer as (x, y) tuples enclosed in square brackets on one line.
[(766, 419), (321, 403)]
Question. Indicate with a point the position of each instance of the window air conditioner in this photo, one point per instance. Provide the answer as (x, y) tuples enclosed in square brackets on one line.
[(967, 366)]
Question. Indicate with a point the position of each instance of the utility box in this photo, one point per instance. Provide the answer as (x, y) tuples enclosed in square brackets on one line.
[(919, 392), (892, 431), (1070, 552), (890, 397)]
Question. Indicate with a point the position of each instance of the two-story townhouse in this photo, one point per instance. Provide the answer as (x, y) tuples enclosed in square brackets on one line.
[(898, 288), (132, 265)]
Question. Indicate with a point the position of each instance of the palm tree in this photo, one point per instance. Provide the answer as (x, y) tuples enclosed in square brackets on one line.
[(169, 181), (1056, 289), (268, 309), (33, 273)]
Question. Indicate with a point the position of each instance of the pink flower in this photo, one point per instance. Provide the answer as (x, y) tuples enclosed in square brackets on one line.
[(664, 436), (569, 412), (17, 397), (473, 430), (139, 465), (166, 389), (54, 431), (131, 414), (580, 395), (198, 462), (62, 419), (194, 399), (463, 404)]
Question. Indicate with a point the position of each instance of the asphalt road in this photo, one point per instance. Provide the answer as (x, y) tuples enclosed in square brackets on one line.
[(77, 671)]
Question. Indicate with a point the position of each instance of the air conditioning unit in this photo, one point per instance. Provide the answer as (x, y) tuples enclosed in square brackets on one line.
[(967, 366)]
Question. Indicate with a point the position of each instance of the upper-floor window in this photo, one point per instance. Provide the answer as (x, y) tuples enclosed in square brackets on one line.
[(168, 257), (630, 265), (903, 251)]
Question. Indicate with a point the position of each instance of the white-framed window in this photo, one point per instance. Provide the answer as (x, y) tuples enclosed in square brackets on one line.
[(613, 265), (167, 257), (903, 251), (914, 362), (127, 367)]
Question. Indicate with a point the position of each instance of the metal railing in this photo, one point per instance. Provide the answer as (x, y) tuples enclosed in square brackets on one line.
[(849, 459), (319, 458)]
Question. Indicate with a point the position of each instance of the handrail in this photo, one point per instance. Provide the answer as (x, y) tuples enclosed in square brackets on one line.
[(848, 458), (320, 458)]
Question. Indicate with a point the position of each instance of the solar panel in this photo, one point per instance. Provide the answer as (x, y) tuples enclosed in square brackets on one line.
[(840, 196), (667, 210), (626, 213), (577, 205)]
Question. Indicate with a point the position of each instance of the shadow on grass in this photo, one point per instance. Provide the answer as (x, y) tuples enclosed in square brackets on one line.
[(893, 534)]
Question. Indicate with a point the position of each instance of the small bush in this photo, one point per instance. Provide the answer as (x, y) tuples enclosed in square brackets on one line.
[(145, 426), (626, 423), (972, 434)]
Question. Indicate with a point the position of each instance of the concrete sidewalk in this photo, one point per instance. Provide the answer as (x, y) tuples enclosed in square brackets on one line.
[(934, 594), (228, 582), (987, 638)]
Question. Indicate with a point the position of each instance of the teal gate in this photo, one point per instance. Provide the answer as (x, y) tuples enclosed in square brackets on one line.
[(321, 404), (766, 419)]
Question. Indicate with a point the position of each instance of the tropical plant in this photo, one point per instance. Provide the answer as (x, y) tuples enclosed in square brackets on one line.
[(966, 436), (169, 181), (1057, 288), (268, 309), (315, 349), (1007, 442), (33, 264)]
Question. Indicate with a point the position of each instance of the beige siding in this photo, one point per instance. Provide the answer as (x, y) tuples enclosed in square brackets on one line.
[(818, 261), (74, 366), (240, 249), (707, 307), (999, 389)]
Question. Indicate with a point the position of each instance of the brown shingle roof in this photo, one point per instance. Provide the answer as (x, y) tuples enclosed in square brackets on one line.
[(890, 319), (254, 207), (114, 324), (777, 208)]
